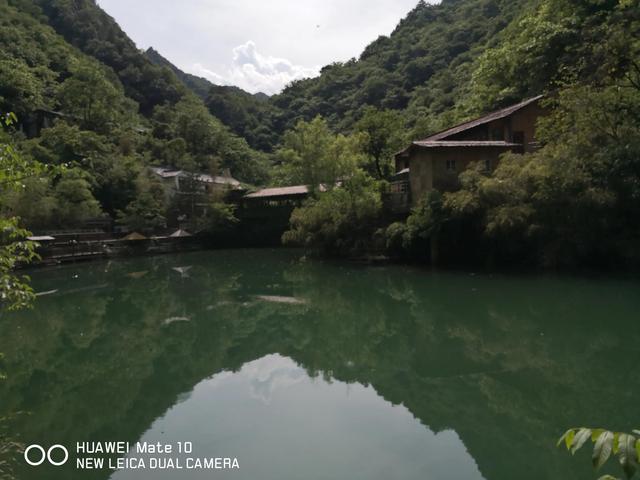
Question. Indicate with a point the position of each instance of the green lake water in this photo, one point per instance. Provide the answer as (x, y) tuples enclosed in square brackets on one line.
[(319, 370)]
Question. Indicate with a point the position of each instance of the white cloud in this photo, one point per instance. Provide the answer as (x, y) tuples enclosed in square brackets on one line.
[(255, 72)]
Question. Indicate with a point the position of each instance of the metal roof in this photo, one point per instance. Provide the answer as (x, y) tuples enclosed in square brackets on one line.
[(201, 177), (165, 172), (465, 143), (498, 114), (206, 178), (279, 192), (41, 238)]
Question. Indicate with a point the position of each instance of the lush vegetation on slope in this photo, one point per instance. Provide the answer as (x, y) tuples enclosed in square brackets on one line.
[(423, 68), (113, 113), (576, 200), (198, 85), (571, 202), (249, 116)]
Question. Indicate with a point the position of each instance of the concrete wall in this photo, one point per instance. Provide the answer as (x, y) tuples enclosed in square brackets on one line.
[(429, 167), (421, 176)]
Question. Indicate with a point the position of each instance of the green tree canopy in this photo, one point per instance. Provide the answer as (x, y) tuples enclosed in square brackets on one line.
[(313, 155)]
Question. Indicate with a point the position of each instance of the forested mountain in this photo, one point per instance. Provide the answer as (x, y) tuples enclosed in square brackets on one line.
[(111, 112), (423, 68), (248, 115), (198, 85), (574, 201)]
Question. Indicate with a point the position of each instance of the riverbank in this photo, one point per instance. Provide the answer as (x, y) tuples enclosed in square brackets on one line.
[(87, 246)]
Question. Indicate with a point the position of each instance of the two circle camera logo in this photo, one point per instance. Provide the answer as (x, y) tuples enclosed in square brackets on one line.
[(40, 455)]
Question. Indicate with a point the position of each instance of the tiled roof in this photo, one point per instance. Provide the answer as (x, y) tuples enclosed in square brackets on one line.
[(498, 114)]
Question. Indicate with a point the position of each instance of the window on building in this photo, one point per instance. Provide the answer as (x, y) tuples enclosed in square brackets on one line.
[(487, 165), (451, 165), (497, 134)]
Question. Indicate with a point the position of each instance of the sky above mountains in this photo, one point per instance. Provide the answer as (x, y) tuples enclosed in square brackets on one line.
[(253, 44)]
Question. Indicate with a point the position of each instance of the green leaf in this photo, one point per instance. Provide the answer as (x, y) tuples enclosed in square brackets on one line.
[(582, 436), (602, 449), (596, 433), (567, 437), (627, 454), (608, 477)]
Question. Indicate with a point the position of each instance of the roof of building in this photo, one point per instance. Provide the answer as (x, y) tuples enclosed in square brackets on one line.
[(279, 192), (201, 177), (465, 143), (41, 238), (180, 233), (498, 114), (206, 178), (165, 172), (401, 175), (135, 236)]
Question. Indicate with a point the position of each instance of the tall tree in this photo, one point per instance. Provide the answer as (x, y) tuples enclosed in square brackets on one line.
[(384, 136), (315, 156)]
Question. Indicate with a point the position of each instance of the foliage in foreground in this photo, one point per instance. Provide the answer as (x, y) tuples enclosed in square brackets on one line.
[(10, 451), (15, 291), (624, 446)]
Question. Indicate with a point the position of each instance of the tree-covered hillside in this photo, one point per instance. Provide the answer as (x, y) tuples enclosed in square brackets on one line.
[(423, 68), (110, 113), (248, 115), (198, 85)]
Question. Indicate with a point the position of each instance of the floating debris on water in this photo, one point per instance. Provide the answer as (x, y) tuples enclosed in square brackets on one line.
[(137, 274), (48, 292), (281, 299), (170, 320), (183, 271)]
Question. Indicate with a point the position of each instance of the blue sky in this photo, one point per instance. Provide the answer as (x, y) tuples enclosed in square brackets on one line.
[(258, 45)]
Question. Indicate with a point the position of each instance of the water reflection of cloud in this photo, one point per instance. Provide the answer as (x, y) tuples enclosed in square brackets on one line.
[(271, 373), (183, 271)]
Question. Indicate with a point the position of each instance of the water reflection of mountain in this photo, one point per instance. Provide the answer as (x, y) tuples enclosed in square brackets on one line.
[(506, 362)]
